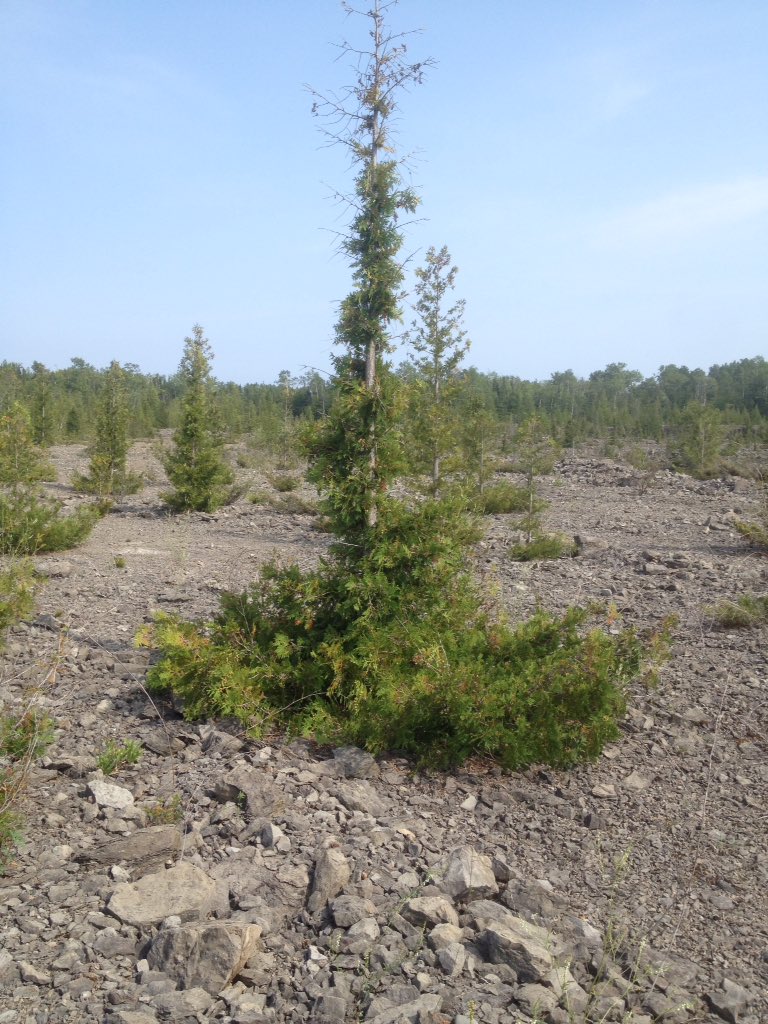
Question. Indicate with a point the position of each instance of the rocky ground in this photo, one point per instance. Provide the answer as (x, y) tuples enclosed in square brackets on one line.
[(311, 885)]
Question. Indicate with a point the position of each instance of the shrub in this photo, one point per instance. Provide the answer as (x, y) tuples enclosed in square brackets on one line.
[(543, 546), (399, 657), (283, 482), (503, 498), (27, 736), (31, 524), (756, 533), (114, 756), (747, 612), (17, 587)]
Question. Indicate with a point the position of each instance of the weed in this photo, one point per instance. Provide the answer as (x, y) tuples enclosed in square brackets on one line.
[(23, 738), (26, 737), (166, 812), (543, 546), (115, 757), (120, 562), (30, 524), (747, 612), (17, 586), (503, 498), (283, 482)]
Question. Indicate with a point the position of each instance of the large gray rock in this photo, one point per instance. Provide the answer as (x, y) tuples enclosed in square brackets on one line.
[(148, 846), (522, 946), (467, 874), (183, 891), (348, 910), (413, 1011), (206, 956), (107, 794), (330, 876), (429, 911)]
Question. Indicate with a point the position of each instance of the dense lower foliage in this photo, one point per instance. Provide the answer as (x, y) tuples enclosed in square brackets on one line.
[(400, 655)]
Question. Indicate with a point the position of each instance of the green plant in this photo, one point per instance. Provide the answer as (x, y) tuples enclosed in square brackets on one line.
[(756, 533), (17, 588), (504, 498), (120, 562), (746, 612), (23, 738), (284, 483), (166, 812), (543, 546), (31, 524), (114, 756), (201, 479), (107, 473), (27, 736)]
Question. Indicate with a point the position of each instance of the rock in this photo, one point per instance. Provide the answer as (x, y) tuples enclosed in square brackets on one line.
[(330, 876), (407, 1012), (356, 763), (361, 796), (184, 890), (178, 1005), (522, 946), (207, 956), (429, 910), (147, 847), (535, 1000), (635, 782), (467, 874), (107, 794), (32, 975), (443, 935), (348, 910), (329, 1009), (361, 936), (452, 959), (728, 1001)]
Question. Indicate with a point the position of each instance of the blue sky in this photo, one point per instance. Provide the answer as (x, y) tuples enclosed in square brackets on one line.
[(598, 170)]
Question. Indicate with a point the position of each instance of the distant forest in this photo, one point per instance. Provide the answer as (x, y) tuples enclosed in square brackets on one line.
[(615, 403)]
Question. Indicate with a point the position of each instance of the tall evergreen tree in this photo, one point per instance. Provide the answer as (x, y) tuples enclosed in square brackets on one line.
[(201, 479), (355, 455)]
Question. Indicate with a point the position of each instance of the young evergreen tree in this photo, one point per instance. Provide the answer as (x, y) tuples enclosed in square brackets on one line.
[(107, 474), (440, 343), (195, 466)]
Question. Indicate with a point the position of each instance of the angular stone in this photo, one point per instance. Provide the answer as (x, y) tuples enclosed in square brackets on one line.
[(635, 783), (452, 959), (107, 794), (408, 1012), (535, 1000), (467, 874), (329, 1009), (207, 956), (184, 891), (348, 910), (148, 846), (429, 910), (443, 935), (729, 1000), (356, 763), (183, 1004), (361, 936), (361, 796), (330, 876), (520, 945)]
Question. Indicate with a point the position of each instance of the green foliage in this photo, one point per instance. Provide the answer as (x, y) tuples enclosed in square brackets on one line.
[(21, 462), (201, 480), (26, 737), (166, 812), (107, 473), (440, 344), (400, 656), (17, 589), (504, 498), (543, 546), (698, 441), (23, 738), (116, 756), (747, 612), (31, 524), (756, 533), (282, 482)]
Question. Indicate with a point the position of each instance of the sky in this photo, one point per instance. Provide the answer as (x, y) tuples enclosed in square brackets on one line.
[(597, 169)]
